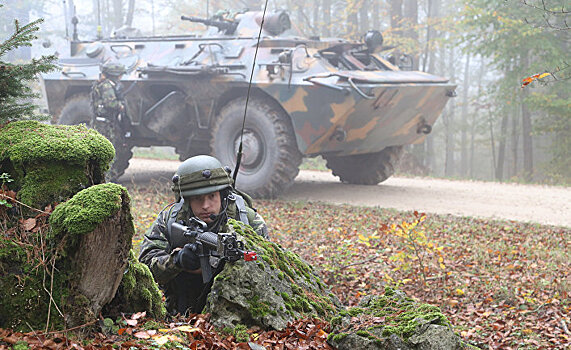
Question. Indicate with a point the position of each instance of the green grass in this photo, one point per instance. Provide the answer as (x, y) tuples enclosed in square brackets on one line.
[(164, 153), (316, 163)]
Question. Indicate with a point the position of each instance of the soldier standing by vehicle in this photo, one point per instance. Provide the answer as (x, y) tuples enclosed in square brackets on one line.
[(109, 109), (203, 189)]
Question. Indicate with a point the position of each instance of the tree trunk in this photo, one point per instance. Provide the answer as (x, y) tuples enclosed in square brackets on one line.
[(117, 14), (396, 16), (376, 15), (431, 34), (316, 25), (476, 116), (352, 22), (449, 168), (514, 144), (364, 10), (526, 129), (130, 13), (435, 11), (502, 149), (326, 29), (110, 242), (527, 142), (464, 116), (411, 18), (492, 143)]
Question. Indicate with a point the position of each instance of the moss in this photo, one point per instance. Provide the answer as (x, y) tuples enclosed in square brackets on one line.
[(152, 324), (52, 162), (25, 303), (87, 209), (355, 311), (25, 142), (55, 182), (24, 279), (335, 321), (339, 337), (296, 289), (138, 290), (240, 332), (306, 297), (259, 308), (402, 315), (285, 297), (21, 345), (317, 307)]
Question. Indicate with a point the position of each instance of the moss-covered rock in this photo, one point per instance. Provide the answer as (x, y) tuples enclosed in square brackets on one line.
[(271, 292), (51, 163), (392, 321)]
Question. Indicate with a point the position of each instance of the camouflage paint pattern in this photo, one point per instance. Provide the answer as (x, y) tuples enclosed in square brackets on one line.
[(338, 102)]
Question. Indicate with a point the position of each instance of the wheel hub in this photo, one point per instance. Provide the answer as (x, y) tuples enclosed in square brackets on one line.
[(252, 149)]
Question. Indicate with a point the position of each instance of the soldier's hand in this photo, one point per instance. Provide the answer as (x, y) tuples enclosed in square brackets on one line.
[(187, 259)]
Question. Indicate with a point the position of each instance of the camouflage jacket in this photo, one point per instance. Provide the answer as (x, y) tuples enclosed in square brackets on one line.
[(158, 253), (105, 98)]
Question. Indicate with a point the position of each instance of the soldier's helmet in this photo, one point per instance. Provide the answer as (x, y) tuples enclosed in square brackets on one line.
[(200, 175), (113, 69)]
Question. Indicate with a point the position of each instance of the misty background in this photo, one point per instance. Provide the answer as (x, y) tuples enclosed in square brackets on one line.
[(495, 129)]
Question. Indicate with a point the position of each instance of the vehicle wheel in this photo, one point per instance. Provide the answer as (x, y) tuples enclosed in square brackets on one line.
[(271, 159), (365, 169), (77, 110)]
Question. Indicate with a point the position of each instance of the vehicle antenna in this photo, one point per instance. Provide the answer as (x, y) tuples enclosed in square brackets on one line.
[(239, 155)]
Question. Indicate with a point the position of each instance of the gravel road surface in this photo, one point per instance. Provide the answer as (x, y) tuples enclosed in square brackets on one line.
[(530, 203)]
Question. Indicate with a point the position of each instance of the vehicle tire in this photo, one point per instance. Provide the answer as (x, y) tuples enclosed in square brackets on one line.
[(77, 110), (365, 169), (271, 159)]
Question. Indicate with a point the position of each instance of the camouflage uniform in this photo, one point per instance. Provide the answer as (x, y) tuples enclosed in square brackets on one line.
[(184, 290), (107, 104)]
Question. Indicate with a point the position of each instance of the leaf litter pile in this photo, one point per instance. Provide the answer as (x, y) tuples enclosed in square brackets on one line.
[(502, 284)]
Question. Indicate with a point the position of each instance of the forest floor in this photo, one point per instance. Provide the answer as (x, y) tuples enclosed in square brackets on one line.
[(503, 284)]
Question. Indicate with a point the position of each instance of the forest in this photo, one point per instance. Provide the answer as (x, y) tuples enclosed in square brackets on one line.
[(502, 284), (509, 59)]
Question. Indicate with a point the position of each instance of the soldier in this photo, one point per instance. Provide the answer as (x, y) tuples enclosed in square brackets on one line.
[(108, 108), (202, 188)]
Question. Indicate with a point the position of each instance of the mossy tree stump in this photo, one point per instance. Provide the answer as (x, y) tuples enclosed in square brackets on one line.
[(62, 273), (51, 163)]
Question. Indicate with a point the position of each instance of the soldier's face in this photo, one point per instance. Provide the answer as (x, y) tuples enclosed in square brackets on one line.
[(204, 205)]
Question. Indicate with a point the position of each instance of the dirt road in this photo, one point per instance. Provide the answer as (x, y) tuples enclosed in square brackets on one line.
[(531, 203)]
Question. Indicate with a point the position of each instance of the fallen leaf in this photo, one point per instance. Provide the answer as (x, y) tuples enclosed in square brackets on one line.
[(145, 334), (187, 329), (138, 315), (28, 224)]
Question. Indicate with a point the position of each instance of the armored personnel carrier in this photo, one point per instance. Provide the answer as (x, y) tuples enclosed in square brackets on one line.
[(308, 96)]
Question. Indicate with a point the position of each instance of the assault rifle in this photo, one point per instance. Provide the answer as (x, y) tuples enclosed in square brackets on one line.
[(224, 246)]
